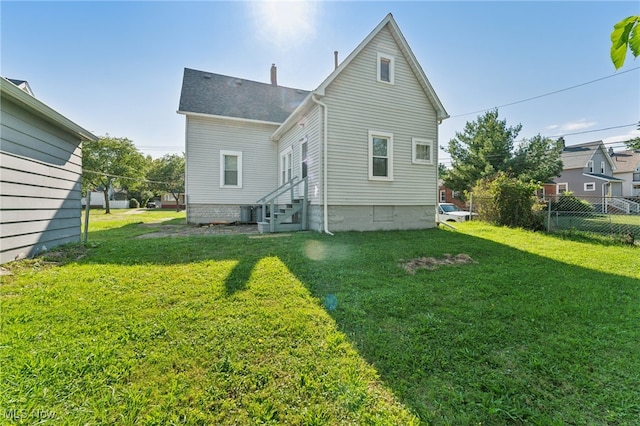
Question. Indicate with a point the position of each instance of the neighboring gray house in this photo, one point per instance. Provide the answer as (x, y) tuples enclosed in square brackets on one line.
[(588, 171), (357, 153), (628, 170), (40, 174)]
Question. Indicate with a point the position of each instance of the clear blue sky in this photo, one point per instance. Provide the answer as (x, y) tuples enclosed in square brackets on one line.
[(116, 67)]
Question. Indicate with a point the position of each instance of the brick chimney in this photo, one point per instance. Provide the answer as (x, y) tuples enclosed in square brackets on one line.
[(274, 75)]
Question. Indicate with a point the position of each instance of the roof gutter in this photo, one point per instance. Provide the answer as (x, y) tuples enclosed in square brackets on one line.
[(325, 139), (226, 118), (12, 91)]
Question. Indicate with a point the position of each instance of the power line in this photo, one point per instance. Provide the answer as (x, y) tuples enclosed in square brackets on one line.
[(592, 131), (124, 177), (545, 94)]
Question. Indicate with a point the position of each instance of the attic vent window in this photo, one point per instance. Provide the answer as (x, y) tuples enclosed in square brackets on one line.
[(386, 68)]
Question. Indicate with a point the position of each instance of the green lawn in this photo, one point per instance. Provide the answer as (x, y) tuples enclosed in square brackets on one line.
[(313, 329)]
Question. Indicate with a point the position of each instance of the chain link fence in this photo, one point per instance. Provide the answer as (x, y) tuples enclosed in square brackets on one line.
[(618, 216), (601, 215)]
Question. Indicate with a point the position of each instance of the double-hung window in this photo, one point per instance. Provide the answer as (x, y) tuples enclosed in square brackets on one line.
[(602, 168), (590, 166), (386, 68), (230, 169), (380, 156), (422, 151), (304, 160), (286, 161)]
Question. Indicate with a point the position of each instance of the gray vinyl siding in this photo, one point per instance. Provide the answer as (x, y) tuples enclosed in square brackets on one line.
[(358, 103), (310, 126), (206, 137), (40, 183)]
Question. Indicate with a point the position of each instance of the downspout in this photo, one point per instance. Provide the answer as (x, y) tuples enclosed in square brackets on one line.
[(325, 139)]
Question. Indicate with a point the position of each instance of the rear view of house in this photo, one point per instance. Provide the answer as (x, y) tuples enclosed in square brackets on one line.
[(40, 174), (357, 153)]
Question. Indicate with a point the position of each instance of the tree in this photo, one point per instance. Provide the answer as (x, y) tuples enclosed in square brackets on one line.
[(167, 175), (635, 142), (625, 34), (111, 161), (482, 149), (508, 201), (537, 160), (486, 147)]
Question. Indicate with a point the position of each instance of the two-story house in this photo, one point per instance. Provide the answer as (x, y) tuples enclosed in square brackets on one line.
[(357, 153)]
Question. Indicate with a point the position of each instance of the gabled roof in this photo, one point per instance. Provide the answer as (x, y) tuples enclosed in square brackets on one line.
[(224, 96), (9, 90), (389, 22), (626, 161), (577, 156)]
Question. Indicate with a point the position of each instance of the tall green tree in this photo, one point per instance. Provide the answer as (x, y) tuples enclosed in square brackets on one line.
[(167, 175), (537, 159), (483, 148), (635, 142), (111, 161), (625, 36)]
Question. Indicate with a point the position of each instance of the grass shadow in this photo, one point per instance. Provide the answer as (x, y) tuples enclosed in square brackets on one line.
[(513, 338)]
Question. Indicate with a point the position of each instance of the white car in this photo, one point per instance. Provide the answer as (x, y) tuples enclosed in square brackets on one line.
[(449, 212)]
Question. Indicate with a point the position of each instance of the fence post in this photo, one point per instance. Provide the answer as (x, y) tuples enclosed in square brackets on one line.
[(549, 213), (471, 206)]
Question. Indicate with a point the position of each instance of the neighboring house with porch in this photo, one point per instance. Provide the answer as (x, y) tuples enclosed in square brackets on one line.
[(40, 174), (357, 153), (628, 170), (588, 172)]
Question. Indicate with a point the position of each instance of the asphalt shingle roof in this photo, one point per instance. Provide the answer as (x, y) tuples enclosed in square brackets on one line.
[(576, 156), (626, 161), (215, 94)]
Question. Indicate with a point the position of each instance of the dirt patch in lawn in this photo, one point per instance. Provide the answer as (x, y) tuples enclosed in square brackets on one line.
[(163, 230), (432, 263)]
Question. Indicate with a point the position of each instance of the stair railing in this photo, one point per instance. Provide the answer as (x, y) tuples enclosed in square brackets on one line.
[(270, 200)]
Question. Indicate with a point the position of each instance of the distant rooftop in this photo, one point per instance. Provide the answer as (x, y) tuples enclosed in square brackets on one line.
[(23, 84)]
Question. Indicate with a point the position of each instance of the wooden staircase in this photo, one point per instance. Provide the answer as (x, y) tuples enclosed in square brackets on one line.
[(288, 217)]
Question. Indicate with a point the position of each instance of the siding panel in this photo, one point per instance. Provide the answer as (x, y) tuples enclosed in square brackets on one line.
[(359, 103), (40, 174), (206, 137)]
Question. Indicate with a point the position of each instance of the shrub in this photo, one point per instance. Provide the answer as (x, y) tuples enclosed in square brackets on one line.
[(507, 201), (134, 204), (567, 202)]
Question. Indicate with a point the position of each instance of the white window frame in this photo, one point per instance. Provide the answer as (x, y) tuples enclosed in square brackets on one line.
[(602, 168), (223, 154), (443, 196), (414, 145), (304, 141), (560, 185), (589, 186), (389, 137), (392, 62), (286, 166), (590, 166)]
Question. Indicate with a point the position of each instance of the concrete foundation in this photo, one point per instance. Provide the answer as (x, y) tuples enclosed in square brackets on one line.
[(373, 218)]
